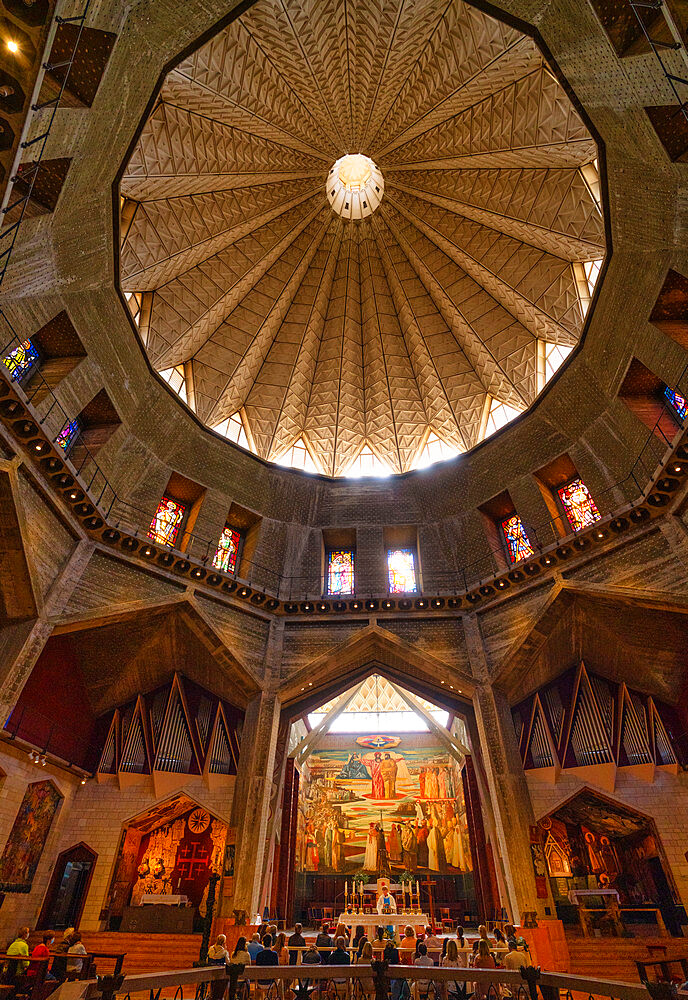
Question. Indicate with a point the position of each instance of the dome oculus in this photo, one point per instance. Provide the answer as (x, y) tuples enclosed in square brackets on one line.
[(354, 186)]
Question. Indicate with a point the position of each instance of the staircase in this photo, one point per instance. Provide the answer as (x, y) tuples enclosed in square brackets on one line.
[(613, 958), (144, 952)]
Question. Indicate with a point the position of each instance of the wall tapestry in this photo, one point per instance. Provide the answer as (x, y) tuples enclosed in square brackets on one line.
[(28, 836), (384, 805)]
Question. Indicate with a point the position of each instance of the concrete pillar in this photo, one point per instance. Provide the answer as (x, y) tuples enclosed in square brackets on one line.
[(251, 802), (506, 783)]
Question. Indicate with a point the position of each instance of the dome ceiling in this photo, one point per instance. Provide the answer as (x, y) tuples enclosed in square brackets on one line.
[(319, 340)]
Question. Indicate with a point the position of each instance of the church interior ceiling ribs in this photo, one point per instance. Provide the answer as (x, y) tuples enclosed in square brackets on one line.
[(369, 334)]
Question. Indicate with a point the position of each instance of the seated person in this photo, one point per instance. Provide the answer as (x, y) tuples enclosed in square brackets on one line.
[(408, 945), (483, 960), (311, 956), (421, 986), (340, 956), (59, 966), (20, 946), (217, 953), (266, 957), (324, 942), (42, 951), (75, 965), (379, 942), (510, 932), (515, 959), (296, 940), (254, 946), (241, 954), (432, 943)]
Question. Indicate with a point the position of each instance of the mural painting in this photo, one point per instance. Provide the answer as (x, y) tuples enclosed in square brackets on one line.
[(382, 804), (28, 836)]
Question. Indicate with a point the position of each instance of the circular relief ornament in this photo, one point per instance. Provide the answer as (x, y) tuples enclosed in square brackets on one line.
[(199, 821), (378, 742)]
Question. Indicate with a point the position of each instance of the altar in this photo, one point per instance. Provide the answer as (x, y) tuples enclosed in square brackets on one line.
[(371, 921)]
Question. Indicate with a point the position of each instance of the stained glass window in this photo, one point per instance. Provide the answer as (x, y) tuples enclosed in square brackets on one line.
[(21, 360), (581, 510), (227, 550), (401, 571), (340, 572), (165, 525), (676, 402), (65, 439), (517, 541)]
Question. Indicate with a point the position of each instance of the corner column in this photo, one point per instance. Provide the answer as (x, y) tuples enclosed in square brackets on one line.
[(251, 802), (506, 783)]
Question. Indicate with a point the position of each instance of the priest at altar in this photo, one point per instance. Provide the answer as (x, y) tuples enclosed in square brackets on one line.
[(386, 903)]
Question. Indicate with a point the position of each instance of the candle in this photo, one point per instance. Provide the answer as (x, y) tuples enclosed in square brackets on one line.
[(346, 888)]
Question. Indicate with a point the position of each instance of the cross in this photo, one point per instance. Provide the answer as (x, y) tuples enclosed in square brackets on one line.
[(431, 906), (195, 860)]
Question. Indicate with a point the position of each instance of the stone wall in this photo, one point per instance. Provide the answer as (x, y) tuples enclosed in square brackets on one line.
[(94, 814), (665, 801)]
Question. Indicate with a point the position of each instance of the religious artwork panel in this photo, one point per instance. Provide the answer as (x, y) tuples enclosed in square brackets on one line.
[(340, 572), (227, 550), (382, 805), (676, 402), (21, 360), (517, 541), (401, 571), (67, 436), (581, 510), (28, 836), (165, 525)]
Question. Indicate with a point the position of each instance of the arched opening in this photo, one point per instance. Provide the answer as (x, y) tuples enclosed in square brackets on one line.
[(381, 784), (68, 888), (167, 854), (607, 869)]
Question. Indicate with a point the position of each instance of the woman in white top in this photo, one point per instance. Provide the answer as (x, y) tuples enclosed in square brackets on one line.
[(463, 948)]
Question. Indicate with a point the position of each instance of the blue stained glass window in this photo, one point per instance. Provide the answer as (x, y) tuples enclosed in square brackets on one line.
[(340, 572), (676, 402), (65, 439), (21, 360), (401, 571), (517, 541)]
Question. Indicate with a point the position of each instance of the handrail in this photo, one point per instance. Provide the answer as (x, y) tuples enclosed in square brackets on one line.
[(547, 534), (152, 982), (13, 231)]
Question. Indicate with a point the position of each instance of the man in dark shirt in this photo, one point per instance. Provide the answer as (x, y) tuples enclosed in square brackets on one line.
[(267, 957), (340, 956), (324, 943), (297, 940)]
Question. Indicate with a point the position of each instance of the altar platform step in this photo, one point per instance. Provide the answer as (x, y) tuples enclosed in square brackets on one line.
[(614, 958), (145, 952)]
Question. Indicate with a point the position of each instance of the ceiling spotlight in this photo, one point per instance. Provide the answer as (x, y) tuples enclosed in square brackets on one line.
[(83, 781), (12, 45), (600, 534)]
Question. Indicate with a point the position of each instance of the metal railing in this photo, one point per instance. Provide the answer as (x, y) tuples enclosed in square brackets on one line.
[(125, 516), (8, 236), (357, 982)]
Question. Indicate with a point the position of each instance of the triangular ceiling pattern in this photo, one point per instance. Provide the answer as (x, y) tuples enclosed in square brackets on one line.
[(342, 334)]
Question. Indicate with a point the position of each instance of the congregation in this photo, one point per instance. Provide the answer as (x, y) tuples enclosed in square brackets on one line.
[(269, 947)]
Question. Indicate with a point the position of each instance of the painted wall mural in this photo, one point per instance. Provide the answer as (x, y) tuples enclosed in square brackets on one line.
[(28, 836), (382, 804)]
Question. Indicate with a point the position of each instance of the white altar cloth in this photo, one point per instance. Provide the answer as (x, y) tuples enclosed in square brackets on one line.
[(156, 897), (371, 921)]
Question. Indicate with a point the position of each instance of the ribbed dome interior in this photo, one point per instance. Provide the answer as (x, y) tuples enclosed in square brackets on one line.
[(284, 323)]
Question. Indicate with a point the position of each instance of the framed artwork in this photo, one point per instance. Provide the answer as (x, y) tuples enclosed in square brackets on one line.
[(28, 836)]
